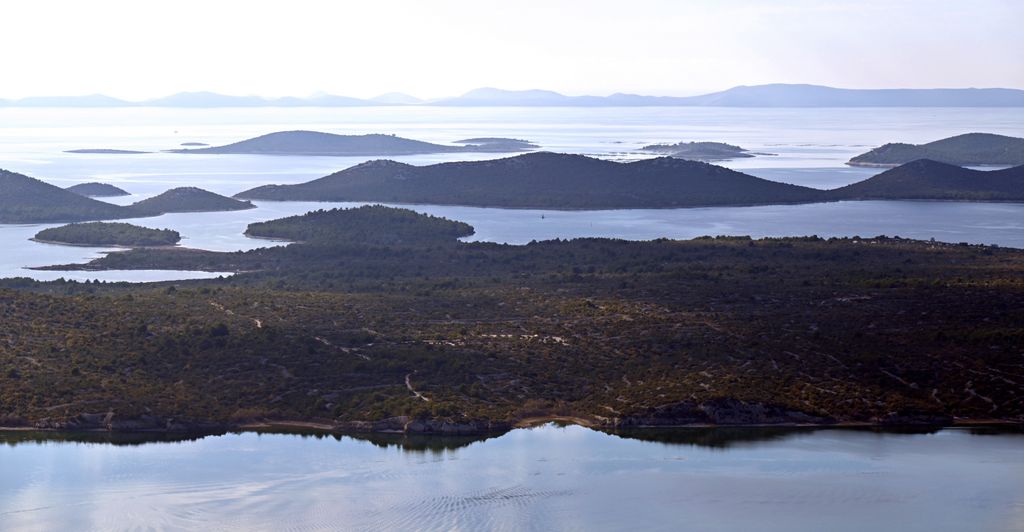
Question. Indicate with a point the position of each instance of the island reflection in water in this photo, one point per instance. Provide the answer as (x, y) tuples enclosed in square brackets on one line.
[(562, 478)]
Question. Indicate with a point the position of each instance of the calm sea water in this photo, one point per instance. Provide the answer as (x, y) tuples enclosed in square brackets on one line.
[(809, 147), (548, 478)]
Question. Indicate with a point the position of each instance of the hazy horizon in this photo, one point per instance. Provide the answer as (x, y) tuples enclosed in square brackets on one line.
[(446, 48)]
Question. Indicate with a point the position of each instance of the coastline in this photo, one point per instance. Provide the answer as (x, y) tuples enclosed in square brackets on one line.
[(436, 427)]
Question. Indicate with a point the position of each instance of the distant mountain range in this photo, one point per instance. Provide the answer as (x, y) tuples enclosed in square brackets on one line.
[(774, 95)]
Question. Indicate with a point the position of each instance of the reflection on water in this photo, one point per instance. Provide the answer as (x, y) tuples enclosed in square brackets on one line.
[(548, 478)]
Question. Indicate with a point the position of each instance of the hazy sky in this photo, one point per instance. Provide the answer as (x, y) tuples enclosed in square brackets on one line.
[(139, 49)]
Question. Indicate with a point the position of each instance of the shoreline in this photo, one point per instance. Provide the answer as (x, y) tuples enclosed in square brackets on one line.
[(433, 427)]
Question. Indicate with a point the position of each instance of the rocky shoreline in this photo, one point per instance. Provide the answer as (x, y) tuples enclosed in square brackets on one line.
[(719, 413)]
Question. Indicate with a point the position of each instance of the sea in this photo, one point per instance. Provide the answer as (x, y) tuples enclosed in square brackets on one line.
[(801, 146)]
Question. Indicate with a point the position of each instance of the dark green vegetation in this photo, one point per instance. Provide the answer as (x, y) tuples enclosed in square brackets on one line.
[(27, 200), (368, 225), (188, 199), (318, 143), (452, 336), (108, 234), (925, 179), (971, 149), (97, 190), (544, 180), (700, 151)]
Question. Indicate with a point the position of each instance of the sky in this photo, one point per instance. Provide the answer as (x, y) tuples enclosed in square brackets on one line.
[(433, 48)]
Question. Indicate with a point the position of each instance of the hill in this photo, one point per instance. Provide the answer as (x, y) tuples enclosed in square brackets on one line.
[(970, 149), (456, 336), (188, 199), (925, 179), (27, 200), (543, 180), (700, 151), (108, 234), (97, 190), (319, 143)]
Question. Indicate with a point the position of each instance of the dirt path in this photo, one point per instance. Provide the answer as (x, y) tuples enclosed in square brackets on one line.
[(408, 384)]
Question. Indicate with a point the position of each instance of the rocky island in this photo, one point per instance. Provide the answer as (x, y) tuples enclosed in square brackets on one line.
[(700, 151), (971, 149), (108, 234), (330, 144), (97, 190)]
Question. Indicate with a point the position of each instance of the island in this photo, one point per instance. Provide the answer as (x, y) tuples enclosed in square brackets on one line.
[(544, 180), (108, 234), (971, 149), (107, 151), (368, 225), (330, 144), (700, 151), (194, 144), (431, 334), (187, 199), (498, 144), (25, 199), (931, 180), (97, 190)]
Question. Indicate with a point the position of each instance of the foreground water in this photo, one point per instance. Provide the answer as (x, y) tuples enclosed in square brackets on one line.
[(548, 478), (809, 147)]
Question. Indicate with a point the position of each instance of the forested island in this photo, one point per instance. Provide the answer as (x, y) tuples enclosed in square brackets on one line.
[(971, 149), (544, 180), (330, 144), (346, 332), (108, 234), (187, 199), (97, 190), (930, 180)]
